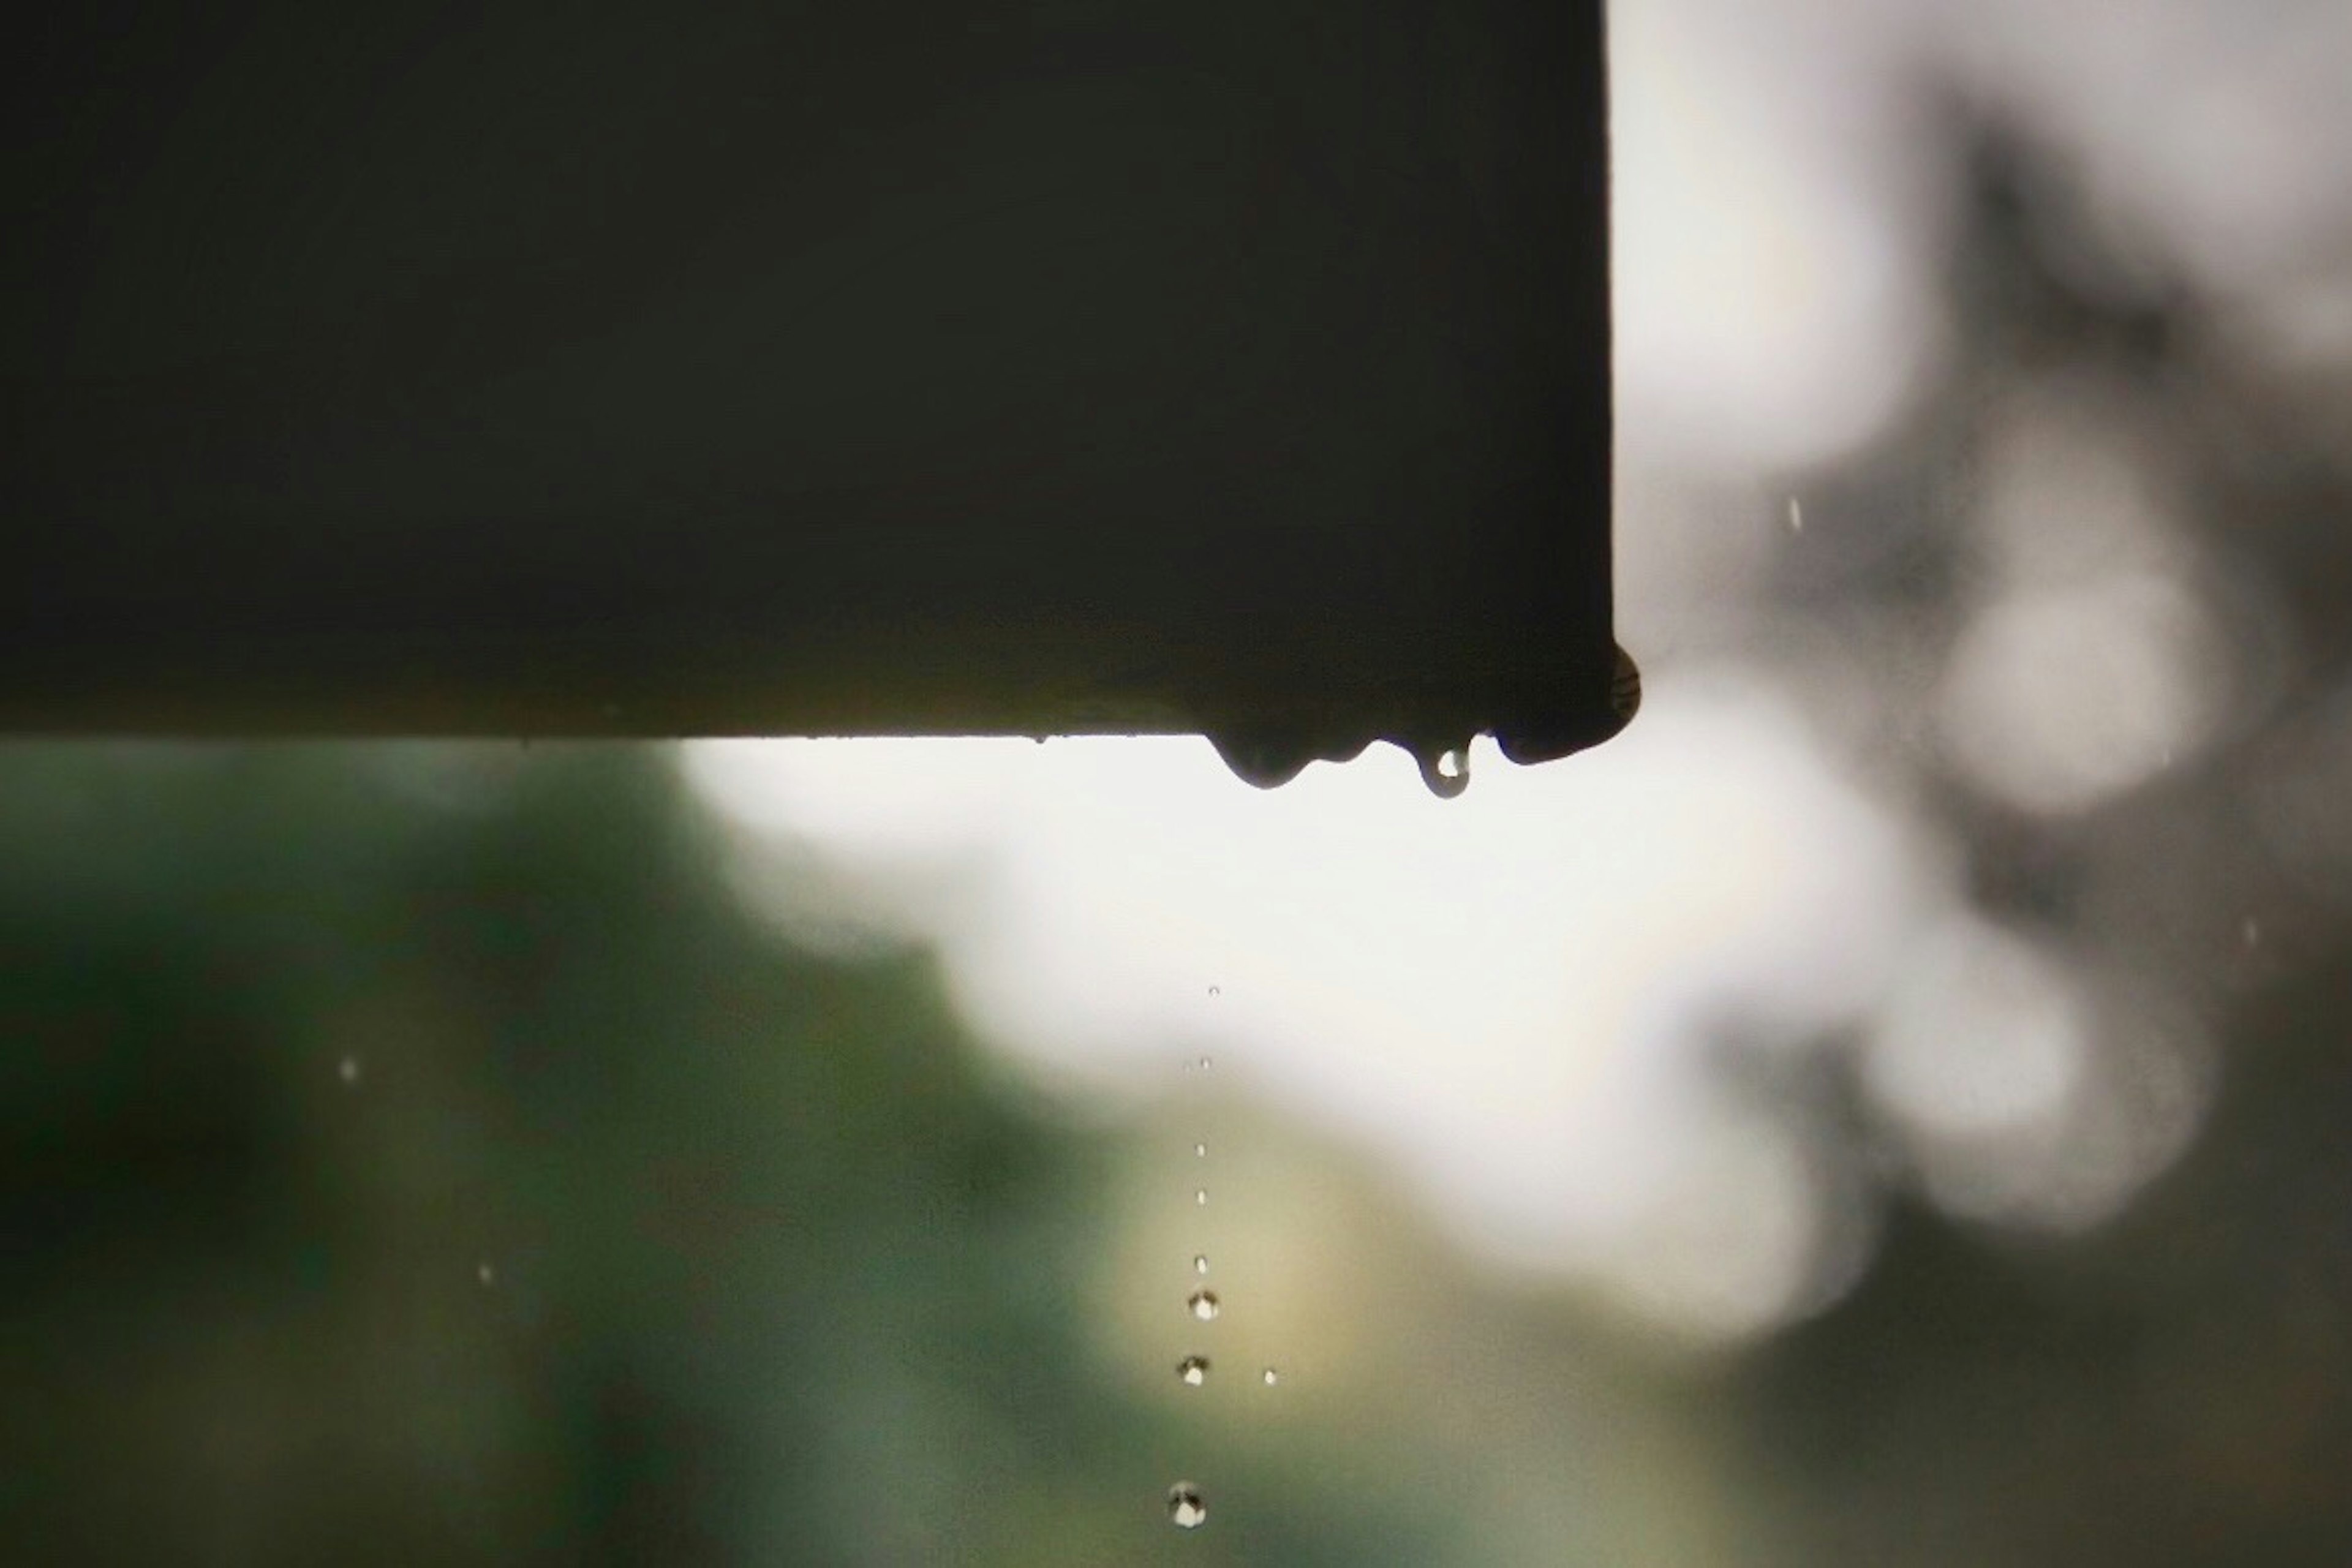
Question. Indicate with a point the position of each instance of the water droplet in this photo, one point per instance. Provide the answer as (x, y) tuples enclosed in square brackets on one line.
[(2251, 932), (1446, 772), (486, 1274), (1796, 515), (1185, 1508), (1270, 1377), (1264, 761), (1200, 1197), (1203, 1304), (1192, 1371), (1206, 1063), (1199, 1263), (348, 1070), (1216, 991), (1200, 1151), (1625, 689)]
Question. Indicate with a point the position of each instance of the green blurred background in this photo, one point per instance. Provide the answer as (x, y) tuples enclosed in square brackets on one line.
[(414, 1155)]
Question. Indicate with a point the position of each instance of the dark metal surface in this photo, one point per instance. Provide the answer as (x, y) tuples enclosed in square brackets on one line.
[(1232, 366)]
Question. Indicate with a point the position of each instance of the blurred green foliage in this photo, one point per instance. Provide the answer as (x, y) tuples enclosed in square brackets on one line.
[(413, 1156), (417, 1154)]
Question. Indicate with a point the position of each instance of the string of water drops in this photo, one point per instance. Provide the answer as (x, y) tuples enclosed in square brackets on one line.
[(1187, 1508)]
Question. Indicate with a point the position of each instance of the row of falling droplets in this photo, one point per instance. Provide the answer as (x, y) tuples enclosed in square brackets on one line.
[(1187, 1509)]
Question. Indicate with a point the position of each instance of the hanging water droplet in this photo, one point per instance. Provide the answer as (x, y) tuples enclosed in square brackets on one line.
[(1203, 1304), (1185, 1508), (1262, 760), (1270, 1377), (1446, 772), (1625, 689), (348, 1070), (1200, 1197), (1192, 1371), (1199, 1263)]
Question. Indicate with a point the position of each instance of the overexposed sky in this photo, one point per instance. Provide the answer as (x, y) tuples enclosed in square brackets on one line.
[(1504, 994)]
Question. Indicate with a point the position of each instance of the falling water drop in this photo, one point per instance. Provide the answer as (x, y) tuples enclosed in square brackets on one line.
[(1192, 1371), (1216, 991), (348, 1070), (485, 1273), (1206, 1063), (1270, 1377), (1200, 1151), (1203, 1304), (2250, 933), (1796, 515), (1185, 1508), (1200, 1197), (1199, 1263)]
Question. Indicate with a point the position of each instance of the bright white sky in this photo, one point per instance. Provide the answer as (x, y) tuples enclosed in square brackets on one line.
[(1502, 991)]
